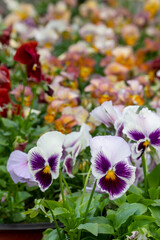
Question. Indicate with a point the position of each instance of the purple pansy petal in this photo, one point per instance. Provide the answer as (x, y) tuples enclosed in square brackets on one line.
[(155, 137), (36, 161), (44, 180), (100, 165), (115, 188), (124, 170), (68, 164), (136, 154), (135, 135), (53, 162)]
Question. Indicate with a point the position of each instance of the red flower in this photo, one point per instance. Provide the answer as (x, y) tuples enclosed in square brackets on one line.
[(27, 53), (4, 78), (5, 37), (34, 70), (4, 100)]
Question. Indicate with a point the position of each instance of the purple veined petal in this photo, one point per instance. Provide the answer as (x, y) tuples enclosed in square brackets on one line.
[(135, 135), (125, 171), (119, 125), (68, 164), (54, 165), (136, 154), (155, 137), (100, 164), (105, 113), (35, 160), (114, 187), (44, 179), (75, 142)]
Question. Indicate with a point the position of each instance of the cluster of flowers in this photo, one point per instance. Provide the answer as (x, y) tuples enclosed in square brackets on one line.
[(124, 44), (113, 159), (104, 55)]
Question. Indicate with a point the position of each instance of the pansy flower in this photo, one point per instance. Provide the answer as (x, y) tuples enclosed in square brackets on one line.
[(26, 53), (144, 129), (74, 143), (110, 165), (17, 166), (44, 159)]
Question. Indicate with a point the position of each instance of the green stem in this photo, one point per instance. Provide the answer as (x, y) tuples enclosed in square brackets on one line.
[(55, 221), (85, 185), (61, 186), (90, 199), (66, 184), (24, 85), (31, 107), (145, 174), (87, 208)]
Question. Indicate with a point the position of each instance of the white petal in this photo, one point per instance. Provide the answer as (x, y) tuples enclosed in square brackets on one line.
[(50, 143), (75, 142), (105, 113), (115, 148)]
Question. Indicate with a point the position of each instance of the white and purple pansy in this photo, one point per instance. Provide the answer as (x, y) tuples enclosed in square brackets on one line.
[(44, 159), (74, 143), (144, 129), (110, 165)]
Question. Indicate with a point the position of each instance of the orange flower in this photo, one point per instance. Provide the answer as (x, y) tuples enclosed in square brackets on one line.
[(65, 123), (130, 34)]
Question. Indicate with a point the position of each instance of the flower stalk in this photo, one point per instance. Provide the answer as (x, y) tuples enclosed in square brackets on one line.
[(55, 221), (145, 174), (61, 186)]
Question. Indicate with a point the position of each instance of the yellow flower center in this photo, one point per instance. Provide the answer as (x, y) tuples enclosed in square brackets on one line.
[(34, 67), (146, 144), (46, 170), (110, 175)]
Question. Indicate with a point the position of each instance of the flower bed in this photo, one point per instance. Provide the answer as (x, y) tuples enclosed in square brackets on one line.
[(80, 118)]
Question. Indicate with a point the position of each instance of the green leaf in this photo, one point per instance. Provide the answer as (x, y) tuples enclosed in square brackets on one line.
[(154, 193), (147, 202), (32, 212), (90, 227), (52, 204), (60, 211), (140, 221), (9, 123), (120, 200), (3, 169), (136, 190), (18, 217), (154, 177), (21, 196), (155, 212), (3, 183), (99, 220), (105, 229), (132, 198), (141, 208), (126, 210), (51, 234)]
